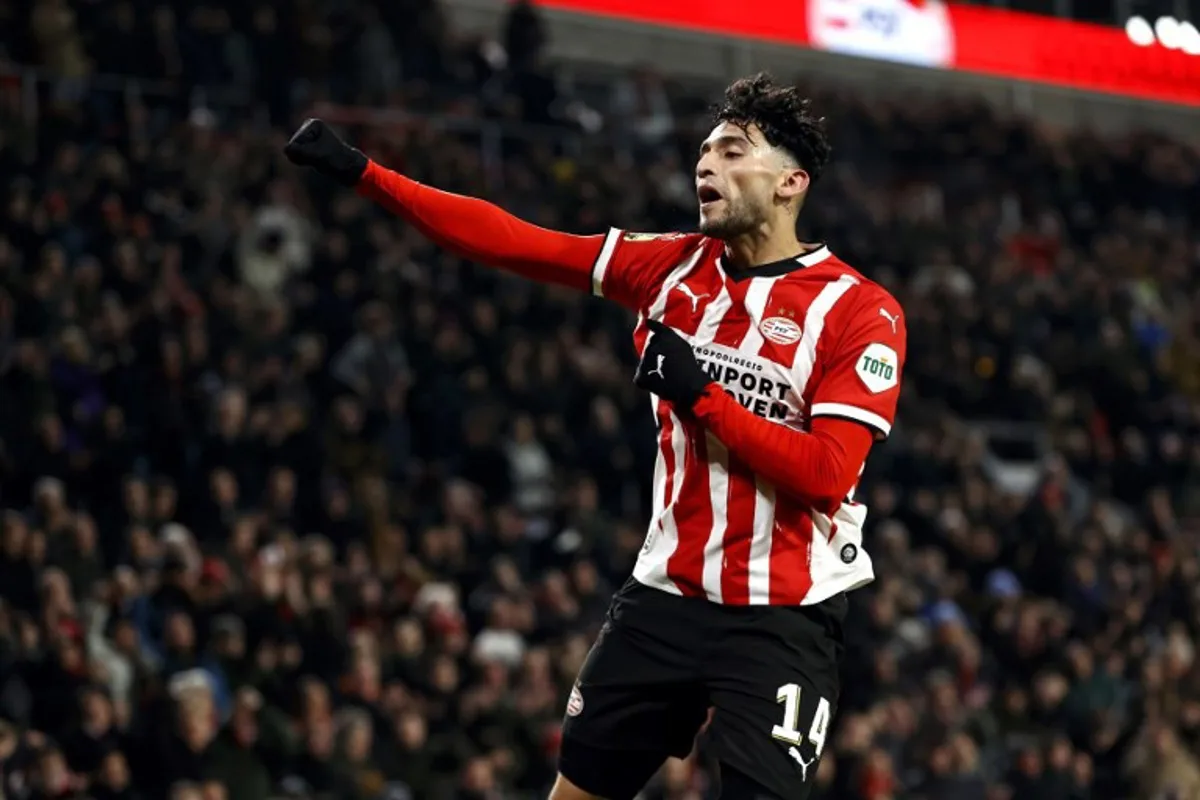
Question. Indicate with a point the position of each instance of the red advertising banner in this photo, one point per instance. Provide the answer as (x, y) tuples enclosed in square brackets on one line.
[(931, 33), (779, 21), (1066, 53)]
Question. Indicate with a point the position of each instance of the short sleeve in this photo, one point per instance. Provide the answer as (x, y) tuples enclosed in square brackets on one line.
[(861, 376), (631, 267)]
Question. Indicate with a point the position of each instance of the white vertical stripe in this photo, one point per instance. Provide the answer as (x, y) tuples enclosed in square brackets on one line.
[(673, 279), (663, 535), (757, 295), (820, 565), (658, 495), (718, 460), (603, 260), (714, 312), (718, 490), (814, 325), (763, 525), (822, 561), (760, 545)]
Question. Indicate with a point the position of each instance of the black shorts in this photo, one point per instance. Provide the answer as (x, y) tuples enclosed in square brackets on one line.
[(661, 661)]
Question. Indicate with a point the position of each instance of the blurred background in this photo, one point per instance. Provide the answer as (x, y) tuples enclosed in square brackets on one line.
[(295, 505)]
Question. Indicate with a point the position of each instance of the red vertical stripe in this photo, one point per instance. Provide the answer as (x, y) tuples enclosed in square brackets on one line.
[(688, 299), (667, 453), (790, 301), (736, 322), (693, 511), (735, 571), (693, 516), (640, 334), (791, 549)]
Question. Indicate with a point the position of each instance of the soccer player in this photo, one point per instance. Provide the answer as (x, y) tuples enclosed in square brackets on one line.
[(772, 367)]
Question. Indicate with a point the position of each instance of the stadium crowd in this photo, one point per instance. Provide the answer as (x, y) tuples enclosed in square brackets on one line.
[(295, 505)]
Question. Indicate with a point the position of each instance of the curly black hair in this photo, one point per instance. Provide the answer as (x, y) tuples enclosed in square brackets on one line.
[(783, 115)]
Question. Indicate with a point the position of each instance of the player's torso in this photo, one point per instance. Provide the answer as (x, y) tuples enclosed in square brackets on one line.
[(758, 337), (719, 531)]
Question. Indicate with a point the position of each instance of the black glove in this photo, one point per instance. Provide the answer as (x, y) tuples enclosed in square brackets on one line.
[(315, 145), (669, 368)]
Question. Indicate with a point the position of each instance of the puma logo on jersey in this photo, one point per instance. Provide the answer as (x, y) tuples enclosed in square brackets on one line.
[(658, 370), (804, 765), (883, 313), (695, 298)]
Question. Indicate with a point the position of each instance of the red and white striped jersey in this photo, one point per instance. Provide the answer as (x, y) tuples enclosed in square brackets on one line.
[(791, 341)]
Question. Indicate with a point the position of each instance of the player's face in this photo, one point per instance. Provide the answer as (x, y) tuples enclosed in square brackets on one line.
[(736, 181)]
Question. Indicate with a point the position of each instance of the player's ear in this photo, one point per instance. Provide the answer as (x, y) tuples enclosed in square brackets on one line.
[(793, 183)]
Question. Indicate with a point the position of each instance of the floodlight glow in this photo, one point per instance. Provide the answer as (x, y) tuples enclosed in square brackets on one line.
[(1139, 31), (1190, 38), (1168, 33)]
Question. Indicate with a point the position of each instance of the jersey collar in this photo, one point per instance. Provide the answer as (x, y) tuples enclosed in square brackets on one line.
[(776, 268)]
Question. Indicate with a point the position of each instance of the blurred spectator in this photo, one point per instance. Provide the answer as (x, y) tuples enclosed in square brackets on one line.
[(640, 106), (524, 36), (52, 26)]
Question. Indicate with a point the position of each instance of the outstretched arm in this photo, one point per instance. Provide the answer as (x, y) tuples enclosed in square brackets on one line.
[(466, 226), (483, 232)]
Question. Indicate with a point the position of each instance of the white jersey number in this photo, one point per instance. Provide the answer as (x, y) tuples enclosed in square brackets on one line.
[(789, 731)]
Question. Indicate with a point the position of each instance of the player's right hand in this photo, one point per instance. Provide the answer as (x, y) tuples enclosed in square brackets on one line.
[(315, 145), (669, 368)]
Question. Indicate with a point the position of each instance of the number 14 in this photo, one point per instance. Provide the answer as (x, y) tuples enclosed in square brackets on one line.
[(789, 695)]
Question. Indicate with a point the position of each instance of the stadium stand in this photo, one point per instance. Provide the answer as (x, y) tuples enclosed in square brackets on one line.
[(297, 506)]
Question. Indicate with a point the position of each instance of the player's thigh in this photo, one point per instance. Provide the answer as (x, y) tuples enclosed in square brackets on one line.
[(625, 716), (638, 699), (586, 771), (734, 785), (774, 685)]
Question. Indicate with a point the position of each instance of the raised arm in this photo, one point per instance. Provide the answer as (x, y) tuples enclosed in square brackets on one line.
[(467, 226), (483, 232)]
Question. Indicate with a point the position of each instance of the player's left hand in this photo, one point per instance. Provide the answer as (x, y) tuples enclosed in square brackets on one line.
[(315, 145), (669, 368)]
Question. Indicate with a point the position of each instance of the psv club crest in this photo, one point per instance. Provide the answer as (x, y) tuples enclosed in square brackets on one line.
[(780, 330)]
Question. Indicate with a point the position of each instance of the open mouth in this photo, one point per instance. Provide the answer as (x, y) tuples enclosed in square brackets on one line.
[(707, 194)]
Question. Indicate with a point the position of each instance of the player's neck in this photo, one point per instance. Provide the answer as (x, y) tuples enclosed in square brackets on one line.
[(759, 248)]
